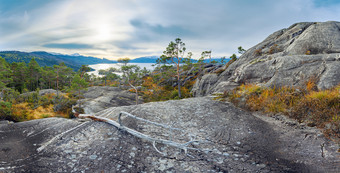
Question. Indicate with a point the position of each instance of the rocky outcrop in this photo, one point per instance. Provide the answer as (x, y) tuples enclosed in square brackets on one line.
[(204, 84), (288, 57), (98, 98), (42, 92), (231, 140)]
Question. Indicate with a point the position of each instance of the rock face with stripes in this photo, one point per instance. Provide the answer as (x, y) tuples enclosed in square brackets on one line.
[(231, 140), (288, 57)]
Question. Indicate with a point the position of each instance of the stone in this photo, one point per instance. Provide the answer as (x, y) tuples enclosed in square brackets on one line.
[(98, 98), (204, 85), (202, 118), (92, 157), (288, 57)]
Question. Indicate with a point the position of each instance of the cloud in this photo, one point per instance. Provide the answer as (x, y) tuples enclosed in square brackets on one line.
[(68, 46), (114, 29), (159, 29)]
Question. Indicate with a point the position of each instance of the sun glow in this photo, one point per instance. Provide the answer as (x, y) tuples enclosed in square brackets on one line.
[(103, 32)]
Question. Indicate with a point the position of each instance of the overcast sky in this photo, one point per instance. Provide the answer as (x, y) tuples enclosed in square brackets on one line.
[(135, 28)]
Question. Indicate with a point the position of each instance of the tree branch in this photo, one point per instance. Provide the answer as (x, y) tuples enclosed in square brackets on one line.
[(119, 125)]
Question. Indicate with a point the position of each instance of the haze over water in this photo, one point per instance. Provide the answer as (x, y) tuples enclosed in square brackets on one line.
[(98, 67)]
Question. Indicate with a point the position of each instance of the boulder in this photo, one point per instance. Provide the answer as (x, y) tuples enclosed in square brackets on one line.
[(98, 98), (204, 85), (42, 92), (228, 139), (303, 52)]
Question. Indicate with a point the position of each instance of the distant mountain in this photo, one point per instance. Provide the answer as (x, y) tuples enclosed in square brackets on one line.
[(74, 61), (152, 59), (215, 59), (147, 59)]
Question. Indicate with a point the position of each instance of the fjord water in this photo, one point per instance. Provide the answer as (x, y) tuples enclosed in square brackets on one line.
[(98, 67)]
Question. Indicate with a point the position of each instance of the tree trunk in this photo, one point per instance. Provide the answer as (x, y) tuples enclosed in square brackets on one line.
[(179, 88), (178, 81), (136, 96), (135, 90), (57, 88), (58, 83)]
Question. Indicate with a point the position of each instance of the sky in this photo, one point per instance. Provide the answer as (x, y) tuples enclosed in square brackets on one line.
[(135, 28)]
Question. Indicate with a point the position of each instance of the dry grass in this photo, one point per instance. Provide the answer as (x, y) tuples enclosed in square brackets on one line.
[(41, 107), (315, 108), (152, 91), (24, 112)]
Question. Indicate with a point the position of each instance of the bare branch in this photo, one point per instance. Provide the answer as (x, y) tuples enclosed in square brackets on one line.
[(119, 125)]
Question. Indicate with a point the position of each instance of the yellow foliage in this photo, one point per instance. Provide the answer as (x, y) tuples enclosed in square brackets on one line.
[(50, 96), (24, 112), (249, 88), (42, 112), (326, 94)]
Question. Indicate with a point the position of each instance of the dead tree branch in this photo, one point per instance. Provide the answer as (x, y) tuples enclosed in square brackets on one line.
[(119, 125)]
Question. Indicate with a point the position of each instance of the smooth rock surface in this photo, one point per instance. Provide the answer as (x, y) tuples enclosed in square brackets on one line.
[(98, 98), (288, 57), (233, 141)]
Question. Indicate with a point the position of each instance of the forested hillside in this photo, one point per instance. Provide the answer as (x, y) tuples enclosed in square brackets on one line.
[(48, 59)]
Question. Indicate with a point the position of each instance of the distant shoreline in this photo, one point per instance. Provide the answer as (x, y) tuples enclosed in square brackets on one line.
[(105, 66)]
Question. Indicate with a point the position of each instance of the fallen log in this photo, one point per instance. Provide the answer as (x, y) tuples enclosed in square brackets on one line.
[(119, 125)]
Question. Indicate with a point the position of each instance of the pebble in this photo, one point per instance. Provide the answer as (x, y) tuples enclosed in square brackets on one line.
[(162, 161), (68, 151), (226, 154), (70, 164), (171, 164), (91, 129), (132, 154), (92, 157), (261, 165), (217, 151), (219, 160), (161, 167)]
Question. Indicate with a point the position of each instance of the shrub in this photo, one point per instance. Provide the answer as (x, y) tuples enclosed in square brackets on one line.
[(5, 111), (316, 108), (258, 52), (274, 49)]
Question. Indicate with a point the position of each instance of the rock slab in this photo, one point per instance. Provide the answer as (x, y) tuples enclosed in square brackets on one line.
[(232, 140)]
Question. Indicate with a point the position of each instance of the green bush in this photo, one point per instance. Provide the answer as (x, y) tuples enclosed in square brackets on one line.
[(5, 110)]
